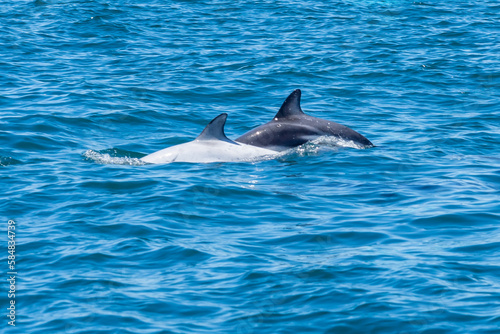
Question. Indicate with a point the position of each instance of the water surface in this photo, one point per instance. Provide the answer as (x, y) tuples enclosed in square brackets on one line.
[(400, 238)]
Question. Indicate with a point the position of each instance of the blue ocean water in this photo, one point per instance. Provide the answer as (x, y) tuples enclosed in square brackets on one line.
[(400, 238)]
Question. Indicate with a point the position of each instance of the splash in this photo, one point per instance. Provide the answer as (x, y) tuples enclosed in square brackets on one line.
[(112, 157), (318, 146), (334, 142)]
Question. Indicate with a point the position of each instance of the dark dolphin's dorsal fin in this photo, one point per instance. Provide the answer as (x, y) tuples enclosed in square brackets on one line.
[(215, 129), (291, 106)]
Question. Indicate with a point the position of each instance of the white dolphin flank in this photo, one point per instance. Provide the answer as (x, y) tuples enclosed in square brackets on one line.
[(211, 145)]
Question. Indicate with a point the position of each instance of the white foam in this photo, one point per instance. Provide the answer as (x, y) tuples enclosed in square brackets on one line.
[(107, 159), (335, 142)]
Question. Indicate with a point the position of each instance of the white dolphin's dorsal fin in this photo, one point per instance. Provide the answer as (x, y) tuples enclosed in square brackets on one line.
[(291, 106), (215, 129)]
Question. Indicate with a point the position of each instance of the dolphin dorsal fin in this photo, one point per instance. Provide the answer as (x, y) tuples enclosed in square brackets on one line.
[(291, 106), (215, 129)]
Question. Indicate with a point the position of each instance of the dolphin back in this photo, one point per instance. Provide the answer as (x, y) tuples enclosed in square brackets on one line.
[(291, 127)]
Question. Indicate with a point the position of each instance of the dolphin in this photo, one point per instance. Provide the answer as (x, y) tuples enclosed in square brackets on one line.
[(211, 145), (291, 127)]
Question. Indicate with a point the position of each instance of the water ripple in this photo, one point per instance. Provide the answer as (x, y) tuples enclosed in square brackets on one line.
[(326, 238)]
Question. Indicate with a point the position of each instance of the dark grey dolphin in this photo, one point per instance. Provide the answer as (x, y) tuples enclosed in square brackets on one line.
[(291, 127)]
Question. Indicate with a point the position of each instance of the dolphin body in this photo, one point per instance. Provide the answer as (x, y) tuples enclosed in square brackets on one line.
[(291, 127), (211, 145)]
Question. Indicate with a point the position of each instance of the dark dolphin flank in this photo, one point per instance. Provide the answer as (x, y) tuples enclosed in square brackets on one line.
[(291, 127)]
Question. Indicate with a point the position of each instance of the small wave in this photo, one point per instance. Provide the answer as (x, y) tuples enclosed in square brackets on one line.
[(113, 157), (7, 161)]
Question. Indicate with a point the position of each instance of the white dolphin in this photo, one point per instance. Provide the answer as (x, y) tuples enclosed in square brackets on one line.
[(211, 145)]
